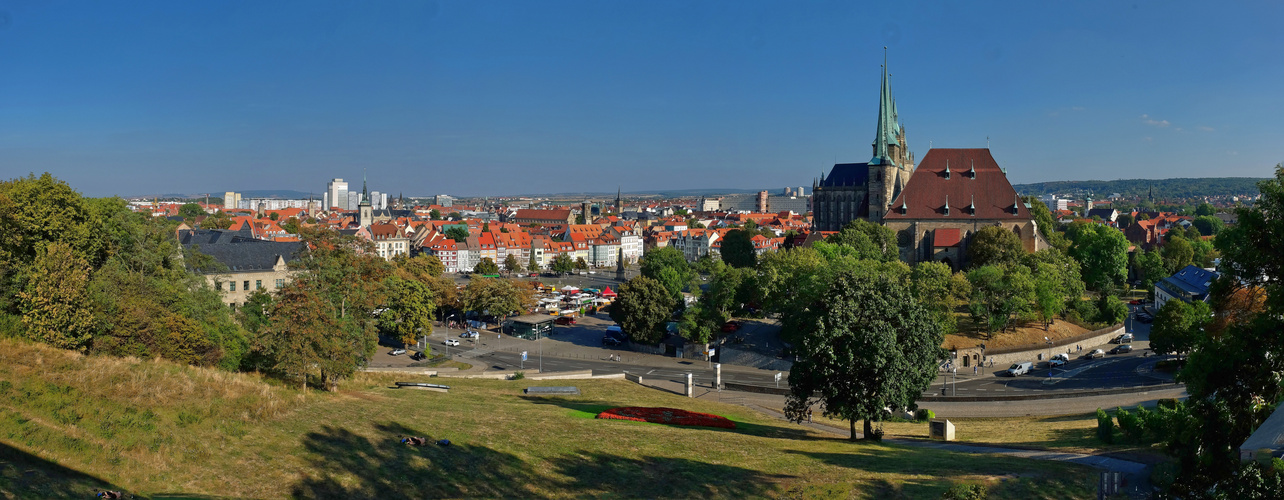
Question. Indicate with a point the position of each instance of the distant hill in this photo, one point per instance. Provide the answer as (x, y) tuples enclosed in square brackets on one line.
[(1164, 188)]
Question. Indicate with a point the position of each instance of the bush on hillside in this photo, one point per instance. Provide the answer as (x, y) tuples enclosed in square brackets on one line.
[(924, 414), (1131, 425), (965, 492), (1105, 427)]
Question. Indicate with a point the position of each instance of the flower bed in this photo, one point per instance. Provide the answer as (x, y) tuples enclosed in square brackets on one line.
[(672, 416)]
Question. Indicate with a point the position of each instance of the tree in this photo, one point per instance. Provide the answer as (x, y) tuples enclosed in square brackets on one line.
[(190, 211), (434, 214), (274, 216), (1205, 209), (308, 332), (291, 225), (1000, 293), (643, 308), (1124, 221), (1208, 225), (420, 267), (940, 290), (1056, 279), (1102, 253), (454, 216), (737, 249), (580, 263), (1178, 326), (563, 264), (694, 224), (532, 266), (668, 266), (54, 303), (410, 310), (870, 240), (1110, 310), (994, 245), (457, 233), (486, 267), (497, 297), (1042, 216), (511, 264), (1177, 254), (874, 348), (1150, 269)]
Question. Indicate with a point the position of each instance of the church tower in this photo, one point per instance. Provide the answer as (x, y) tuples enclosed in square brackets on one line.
[(365, 214), (892, 163)]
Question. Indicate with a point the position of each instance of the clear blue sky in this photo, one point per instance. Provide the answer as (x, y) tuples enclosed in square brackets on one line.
[(506, 97)]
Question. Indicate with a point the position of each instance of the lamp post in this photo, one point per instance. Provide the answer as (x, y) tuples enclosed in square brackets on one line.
[(1048, 342)]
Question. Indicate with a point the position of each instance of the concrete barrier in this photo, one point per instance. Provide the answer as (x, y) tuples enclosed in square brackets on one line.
[(561, 375), (633, 378), (733, 386), (611, 376)]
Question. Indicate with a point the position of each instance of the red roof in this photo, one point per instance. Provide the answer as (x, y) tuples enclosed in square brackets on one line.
[(988, 190), (946, 237)]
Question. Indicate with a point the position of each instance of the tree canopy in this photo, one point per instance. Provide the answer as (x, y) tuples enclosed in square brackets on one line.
[(642, 309), (869, 240), (486, 267), (1102, 253), (737, 249), (874, 348), (457, 233), (994, 245), (669, 267)]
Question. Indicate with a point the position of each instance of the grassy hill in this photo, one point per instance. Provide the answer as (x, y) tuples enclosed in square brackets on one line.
[(70, 424)]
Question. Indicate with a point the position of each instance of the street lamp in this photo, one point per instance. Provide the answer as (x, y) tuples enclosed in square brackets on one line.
[(1048, 342)]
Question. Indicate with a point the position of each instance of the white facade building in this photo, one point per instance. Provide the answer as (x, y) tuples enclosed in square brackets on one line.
[(338, 191)]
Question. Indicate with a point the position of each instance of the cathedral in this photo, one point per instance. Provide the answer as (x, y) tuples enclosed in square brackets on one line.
[(865, 190)]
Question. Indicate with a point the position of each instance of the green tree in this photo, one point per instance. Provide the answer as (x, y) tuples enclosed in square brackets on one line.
[(1124, 221), (737, 249), (1177, 254), (1205, 209), (694, 224), (1179, 326), (562, 264), (54, 303), (668, 266), (291, 225), (191, 211), (457, 233), (580, 263), (434, 214), (309, 336), (454, 216), (1102, 253), (940, 290), (486, 267), (643, 309), (409, 314), (497, 297), (1110, 310), (872, 241), (532, 266), (420, 267), (999, 295), (994, 245), (1208, 225), (874, 348), (1042, 216), (511, 264), (1150, 269)]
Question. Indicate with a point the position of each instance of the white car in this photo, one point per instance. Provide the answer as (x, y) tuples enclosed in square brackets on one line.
[(396, 352), (1058, 360), (451, 342)]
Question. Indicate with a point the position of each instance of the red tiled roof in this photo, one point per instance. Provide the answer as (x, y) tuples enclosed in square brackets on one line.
[(946, 237), (925, 194)]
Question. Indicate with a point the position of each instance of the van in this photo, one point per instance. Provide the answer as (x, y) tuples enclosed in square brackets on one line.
[(1018, 369)]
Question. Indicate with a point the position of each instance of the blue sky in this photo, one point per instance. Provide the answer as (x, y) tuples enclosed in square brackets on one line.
[(507, 97)]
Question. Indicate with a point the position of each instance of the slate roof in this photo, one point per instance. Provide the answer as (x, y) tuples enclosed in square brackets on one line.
[(238, 252), (1191, 279), (847, 174), (1268, 436), (990, 192)]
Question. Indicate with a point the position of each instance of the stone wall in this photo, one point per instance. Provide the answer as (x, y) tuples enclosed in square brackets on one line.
[(1038, 354)]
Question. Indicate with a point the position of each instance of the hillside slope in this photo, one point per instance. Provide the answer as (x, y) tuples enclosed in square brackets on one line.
[(155, 428)]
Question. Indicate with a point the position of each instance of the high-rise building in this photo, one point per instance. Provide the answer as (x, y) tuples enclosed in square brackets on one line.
[(375, 200), (354, 199), (383, 201), (338, 191), (231, 199)]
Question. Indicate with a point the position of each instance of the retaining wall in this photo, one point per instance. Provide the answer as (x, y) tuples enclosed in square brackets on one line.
[(1002, 358)]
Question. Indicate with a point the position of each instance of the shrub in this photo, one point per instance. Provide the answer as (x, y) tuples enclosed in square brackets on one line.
[(965, 492), (518, 376), (924, 414), (1105, 427), (1130, 425), (1169, 403)]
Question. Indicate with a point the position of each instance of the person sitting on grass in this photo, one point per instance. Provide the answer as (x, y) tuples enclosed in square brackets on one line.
[(415, 441), (111, 495)]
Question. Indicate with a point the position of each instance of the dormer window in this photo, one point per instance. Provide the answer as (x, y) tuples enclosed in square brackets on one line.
[(947, 169), (972, 173), (971, 207), (947, 206)]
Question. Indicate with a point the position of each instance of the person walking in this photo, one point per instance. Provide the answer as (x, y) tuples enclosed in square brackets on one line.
[(809, 415)]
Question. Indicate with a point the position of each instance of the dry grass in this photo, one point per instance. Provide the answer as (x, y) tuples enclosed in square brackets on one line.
[(154, 427), (1025, 334), (1070, 433)]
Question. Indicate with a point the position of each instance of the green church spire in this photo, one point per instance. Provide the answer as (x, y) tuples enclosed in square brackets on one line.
[(885, 136)]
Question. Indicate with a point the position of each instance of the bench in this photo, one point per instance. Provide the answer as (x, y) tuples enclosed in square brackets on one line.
[(553, 391)]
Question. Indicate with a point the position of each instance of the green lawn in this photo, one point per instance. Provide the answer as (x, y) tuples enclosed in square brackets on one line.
[(157, 429)]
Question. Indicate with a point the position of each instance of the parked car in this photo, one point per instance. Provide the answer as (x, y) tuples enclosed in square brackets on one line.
[(451, 342), (1120, 349), (1058, 360), (419, 356), (609, 340), (1018, 369), (468, 335), (1145, 317), (397, 352), (1125, 338), (730, 326), (1135, 302), (564, 320), (1095, 353)]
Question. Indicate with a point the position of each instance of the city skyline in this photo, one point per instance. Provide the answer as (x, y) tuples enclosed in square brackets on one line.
[(514, 98)]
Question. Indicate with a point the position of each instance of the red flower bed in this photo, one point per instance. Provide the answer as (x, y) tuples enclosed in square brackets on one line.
[(671, 416)]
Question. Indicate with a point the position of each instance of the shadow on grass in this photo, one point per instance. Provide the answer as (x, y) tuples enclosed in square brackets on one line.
[(347, 465), (742, 427), (23, 475), (1034, 479)]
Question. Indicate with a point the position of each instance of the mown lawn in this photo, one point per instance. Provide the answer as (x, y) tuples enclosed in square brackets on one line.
[(157, 429)]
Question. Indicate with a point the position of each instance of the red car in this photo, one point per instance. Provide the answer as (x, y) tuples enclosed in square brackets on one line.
[(1135, 302), (564, 320), (730, 326)]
